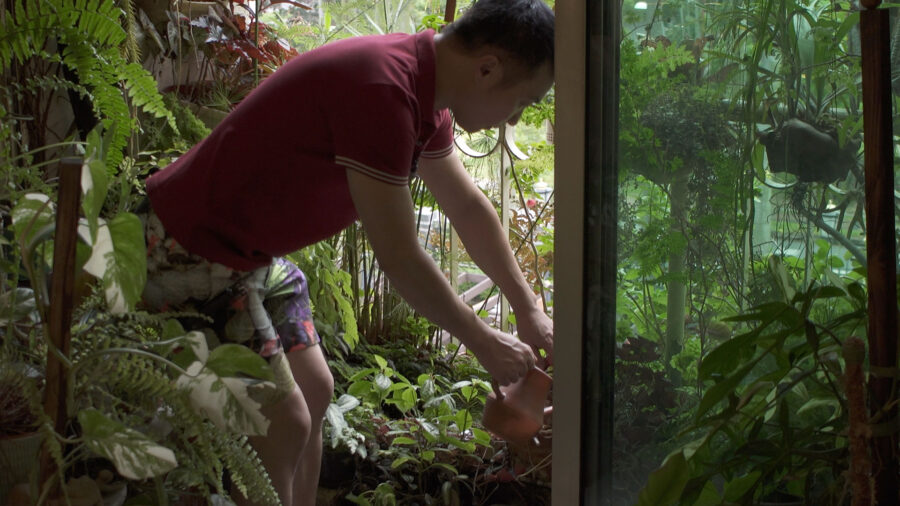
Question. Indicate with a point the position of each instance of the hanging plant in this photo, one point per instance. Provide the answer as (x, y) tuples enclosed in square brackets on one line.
[(798, 148)]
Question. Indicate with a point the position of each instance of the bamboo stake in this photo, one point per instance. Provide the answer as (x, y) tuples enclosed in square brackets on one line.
[(450, 11), (880, 246), (61, 294)]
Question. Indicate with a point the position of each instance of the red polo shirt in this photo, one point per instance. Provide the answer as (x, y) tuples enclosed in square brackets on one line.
[(271, 178)]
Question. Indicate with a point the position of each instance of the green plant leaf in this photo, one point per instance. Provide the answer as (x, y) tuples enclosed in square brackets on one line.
[(722, 389), (727, 356), (362, 373), (466, 446), (429, 430), (94, 181), (16, 305), (665, 484), (460, 384), (119, 260), (736, 488), (135, 456), (34, 213), (335, 417), (360, 389), (403, 440), (463, 420), (481, 436), (223, 400), (446, 467), (403, 460), (782, 279), (194, 349), (819, 403), (235, 359), (709, 496), (172, 328)]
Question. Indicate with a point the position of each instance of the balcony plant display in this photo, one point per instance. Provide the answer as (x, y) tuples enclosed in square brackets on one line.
[(229, 48), (146, 400)]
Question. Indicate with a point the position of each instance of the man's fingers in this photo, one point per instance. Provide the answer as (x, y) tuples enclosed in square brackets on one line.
[(542, 362)]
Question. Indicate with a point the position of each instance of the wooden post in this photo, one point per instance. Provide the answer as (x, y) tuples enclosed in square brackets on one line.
[(62, 285), (450, 11), (880, 246), (505, 211)]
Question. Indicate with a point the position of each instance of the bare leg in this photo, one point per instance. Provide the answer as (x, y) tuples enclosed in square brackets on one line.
[(312, 374), (281, 447)]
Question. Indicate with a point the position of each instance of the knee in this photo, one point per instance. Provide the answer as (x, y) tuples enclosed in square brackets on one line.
[(318, 390), (291, 421), (315, 380)]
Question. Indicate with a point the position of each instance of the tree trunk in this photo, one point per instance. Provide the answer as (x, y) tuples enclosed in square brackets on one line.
[(675, 286)]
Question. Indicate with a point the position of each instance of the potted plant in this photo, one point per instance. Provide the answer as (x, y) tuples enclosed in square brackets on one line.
[(19, 439), (145, 404)]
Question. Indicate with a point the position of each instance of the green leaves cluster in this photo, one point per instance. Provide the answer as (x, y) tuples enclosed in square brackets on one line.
[(773, 421), (89, 33), (154, 419), (149, 397), (433, 428), (113, 251)]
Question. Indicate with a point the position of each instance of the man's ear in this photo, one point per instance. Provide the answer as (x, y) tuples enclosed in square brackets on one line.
[(490, 69)]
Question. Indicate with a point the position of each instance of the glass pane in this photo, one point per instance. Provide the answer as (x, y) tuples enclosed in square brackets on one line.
[(741, 250)]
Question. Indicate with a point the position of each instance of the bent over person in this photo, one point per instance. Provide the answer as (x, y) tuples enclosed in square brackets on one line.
[(332, 137)]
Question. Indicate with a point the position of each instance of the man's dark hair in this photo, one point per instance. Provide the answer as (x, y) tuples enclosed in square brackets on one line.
[(521, 28)]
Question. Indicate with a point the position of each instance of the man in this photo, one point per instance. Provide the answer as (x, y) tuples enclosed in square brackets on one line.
[(331, 137)]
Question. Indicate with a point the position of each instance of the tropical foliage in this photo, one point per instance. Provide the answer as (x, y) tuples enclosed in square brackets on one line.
[(742, 252), (154, 412)]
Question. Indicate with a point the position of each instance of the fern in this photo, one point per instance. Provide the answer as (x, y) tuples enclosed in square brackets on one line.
[(138, 389), (142, 89), (131, 49), (23, 34), (245, 466), (92, 33)]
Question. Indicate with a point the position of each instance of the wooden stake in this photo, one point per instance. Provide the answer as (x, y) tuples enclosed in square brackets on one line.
[(61, 293), (881, 247)]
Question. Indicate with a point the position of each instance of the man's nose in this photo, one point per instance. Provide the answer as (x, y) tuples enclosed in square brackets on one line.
[(514, 118)]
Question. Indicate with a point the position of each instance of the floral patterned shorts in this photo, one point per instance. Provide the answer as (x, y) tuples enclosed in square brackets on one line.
[(267, 309)]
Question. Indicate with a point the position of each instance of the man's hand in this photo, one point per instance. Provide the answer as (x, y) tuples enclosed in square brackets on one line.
[(505, 357), (536, 329)]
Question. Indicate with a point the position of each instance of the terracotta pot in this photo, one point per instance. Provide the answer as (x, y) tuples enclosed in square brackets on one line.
[(516, 412)]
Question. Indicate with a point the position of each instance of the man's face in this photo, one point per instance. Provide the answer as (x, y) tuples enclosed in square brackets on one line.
[(490, 106)]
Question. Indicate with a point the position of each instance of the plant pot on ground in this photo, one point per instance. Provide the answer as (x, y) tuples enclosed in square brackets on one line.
[(19, 440)]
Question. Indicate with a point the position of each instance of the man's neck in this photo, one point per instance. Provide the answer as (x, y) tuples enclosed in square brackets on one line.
[(446, 60)]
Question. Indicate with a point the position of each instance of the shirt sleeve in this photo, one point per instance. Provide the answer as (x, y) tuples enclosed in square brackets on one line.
[(374, 133), (441, 143)]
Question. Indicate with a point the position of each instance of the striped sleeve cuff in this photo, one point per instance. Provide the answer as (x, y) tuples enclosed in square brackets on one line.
[(371, 172), (439, 153)]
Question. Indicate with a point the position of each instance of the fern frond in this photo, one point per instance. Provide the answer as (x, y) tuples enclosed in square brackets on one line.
[(25, 31), (131, 49), (97, 71), (142, 88), (44, 83), (247, 471), (98, 20), (137, 389)]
